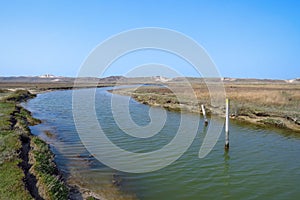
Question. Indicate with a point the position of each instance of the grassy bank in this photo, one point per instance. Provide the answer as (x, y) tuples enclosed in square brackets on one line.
[(261, 103), (11, 174), (27, 168)]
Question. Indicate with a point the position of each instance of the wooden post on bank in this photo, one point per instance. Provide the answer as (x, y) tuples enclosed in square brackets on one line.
[(204, 115), (227, 126)]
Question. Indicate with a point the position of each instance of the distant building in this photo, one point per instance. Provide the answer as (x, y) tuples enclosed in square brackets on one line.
[(47, 76)]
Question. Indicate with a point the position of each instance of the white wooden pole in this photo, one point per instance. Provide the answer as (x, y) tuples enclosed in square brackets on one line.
[(227, 125), (204, 115)]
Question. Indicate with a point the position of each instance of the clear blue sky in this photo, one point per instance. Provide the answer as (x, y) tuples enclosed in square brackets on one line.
[(259, 39)]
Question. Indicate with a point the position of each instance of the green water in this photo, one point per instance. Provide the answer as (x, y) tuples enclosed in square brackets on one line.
[(261, 163)]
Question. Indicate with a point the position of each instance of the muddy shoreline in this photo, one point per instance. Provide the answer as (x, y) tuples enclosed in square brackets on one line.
[(42, 178), (250, 113)]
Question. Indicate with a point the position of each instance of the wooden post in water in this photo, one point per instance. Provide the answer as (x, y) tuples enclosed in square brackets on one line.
[(227, 126), (204, 115)]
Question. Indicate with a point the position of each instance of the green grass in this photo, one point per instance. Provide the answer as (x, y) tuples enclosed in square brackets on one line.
[(11, 175), (24, 119), (43, 167), (18, 96), (9, 141), (11, 184), (43, 157), (5, 110), (45, 171), (9, 145)]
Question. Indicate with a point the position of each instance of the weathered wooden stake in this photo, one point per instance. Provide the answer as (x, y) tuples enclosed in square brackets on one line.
[(227, 125), (204, 115)]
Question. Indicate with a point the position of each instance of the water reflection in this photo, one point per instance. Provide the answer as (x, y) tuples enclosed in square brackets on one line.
[(254, 165)]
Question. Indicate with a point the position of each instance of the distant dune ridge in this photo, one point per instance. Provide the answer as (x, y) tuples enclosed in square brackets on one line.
[(52, 78)]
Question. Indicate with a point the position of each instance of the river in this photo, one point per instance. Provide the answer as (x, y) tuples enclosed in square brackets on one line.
[(261, 163)]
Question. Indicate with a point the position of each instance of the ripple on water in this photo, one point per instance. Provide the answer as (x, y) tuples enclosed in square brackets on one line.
[(261, 164)]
